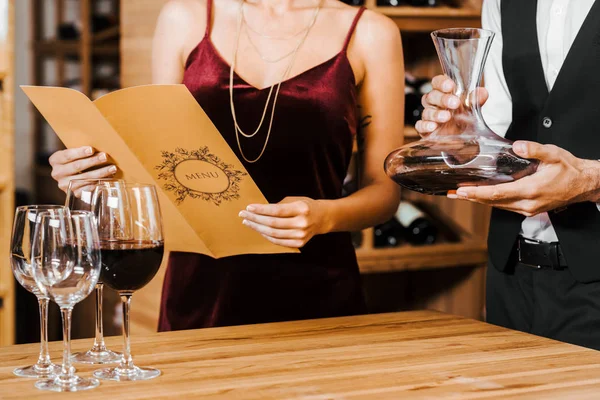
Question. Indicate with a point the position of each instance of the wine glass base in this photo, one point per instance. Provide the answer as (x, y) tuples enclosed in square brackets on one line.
[(96, 357), (124, 375), (74, 384), (35, 371)]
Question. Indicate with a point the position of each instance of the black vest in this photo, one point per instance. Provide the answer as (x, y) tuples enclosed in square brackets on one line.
[(573, 106)]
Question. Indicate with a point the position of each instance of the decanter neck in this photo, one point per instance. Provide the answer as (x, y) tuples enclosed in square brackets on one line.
[(462, 53)]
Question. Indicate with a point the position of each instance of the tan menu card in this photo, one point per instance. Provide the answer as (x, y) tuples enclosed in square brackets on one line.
[(159, 134)]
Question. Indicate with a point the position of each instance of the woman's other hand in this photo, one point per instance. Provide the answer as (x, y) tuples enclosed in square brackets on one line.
[(78, 164), (290, 223), (439, 102)]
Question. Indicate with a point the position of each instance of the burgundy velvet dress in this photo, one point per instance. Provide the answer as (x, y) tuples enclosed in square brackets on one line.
[(307, 155)]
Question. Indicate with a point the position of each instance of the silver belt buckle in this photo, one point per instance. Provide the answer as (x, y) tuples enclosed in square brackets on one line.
[(533, 241)]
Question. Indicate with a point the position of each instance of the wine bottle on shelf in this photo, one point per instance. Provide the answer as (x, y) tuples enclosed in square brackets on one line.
[(418, 228), (357, 239), (413, 108), (388, 234), (414, 89), (354, 2), (67, 31), (424, 3), (390, 3), (72, 30), (422, 85)]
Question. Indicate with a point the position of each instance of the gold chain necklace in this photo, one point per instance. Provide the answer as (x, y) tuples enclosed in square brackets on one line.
[(238, 130), (266, 59)]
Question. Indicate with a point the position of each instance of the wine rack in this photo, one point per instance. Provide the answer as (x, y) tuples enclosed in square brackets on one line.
[(71, 61), (426, 19), (7, 184), (60, 61), (446, 276), (468, 221)]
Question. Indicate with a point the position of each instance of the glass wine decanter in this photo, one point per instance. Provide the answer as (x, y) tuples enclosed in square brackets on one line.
[(464, 151)]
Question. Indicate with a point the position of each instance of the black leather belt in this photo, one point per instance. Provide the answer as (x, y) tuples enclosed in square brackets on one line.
[(538, 254)]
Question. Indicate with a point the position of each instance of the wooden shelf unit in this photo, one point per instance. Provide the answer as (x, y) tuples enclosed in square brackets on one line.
[(74, 62), (418, 272), (71, 48), (469, 220), (426, 19), (409, 258), (410, 133), (472, 249), (7, 180), (420, 13)]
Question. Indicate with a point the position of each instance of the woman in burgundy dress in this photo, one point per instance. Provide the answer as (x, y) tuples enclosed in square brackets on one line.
[(286, 82)]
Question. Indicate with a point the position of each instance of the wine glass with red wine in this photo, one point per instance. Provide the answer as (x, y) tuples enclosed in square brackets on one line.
[(130, 260), (80, 196)]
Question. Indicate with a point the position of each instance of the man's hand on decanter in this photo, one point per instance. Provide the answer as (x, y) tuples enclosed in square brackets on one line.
[(439, 102), (561, 179)]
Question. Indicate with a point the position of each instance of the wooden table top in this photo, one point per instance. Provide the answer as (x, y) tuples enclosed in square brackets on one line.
[(387, 356)]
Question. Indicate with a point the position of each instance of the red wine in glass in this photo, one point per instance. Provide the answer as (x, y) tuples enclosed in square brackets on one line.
[(129, 265), (131, 257)]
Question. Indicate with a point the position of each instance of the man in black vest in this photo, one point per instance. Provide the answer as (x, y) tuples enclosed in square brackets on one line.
[(544, 242)]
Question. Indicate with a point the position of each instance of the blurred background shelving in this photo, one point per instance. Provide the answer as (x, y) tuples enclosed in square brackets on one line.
[(70, 43), (7, 181), (75, 43), (446, 14), (447, 275)]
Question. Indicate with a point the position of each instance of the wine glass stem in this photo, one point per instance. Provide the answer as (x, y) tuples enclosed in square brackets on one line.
[(67, 371), (44, 358), (126, 360), (99, 340)]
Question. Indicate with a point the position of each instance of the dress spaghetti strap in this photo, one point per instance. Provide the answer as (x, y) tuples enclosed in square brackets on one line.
[(208, 17), (352, 27)]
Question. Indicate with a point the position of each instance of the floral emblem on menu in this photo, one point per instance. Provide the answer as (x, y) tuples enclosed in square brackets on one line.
[(198, 174)]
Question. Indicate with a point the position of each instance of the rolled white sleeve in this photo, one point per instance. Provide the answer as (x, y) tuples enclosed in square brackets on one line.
[(497, 111)]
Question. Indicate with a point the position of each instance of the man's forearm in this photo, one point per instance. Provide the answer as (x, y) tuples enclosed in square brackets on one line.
[(591, 175)]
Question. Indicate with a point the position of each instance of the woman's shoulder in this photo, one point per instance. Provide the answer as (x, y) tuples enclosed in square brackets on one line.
[(370, 23), (182, 22), (376, 31), (183, 11), (374, 27), (184, 5)]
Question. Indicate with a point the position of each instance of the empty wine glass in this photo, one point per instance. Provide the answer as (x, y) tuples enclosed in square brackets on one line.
[(129, 264), (20, 261), (80, 196), (66, 267)]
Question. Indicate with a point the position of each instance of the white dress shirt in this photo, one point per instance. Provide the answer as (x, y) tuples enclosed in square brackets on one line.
[(558, 22)]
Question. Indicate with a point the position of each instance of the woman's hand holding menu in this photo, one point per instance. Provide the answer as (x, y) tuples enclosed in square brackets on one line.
[(79, 163), (290, 223)]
